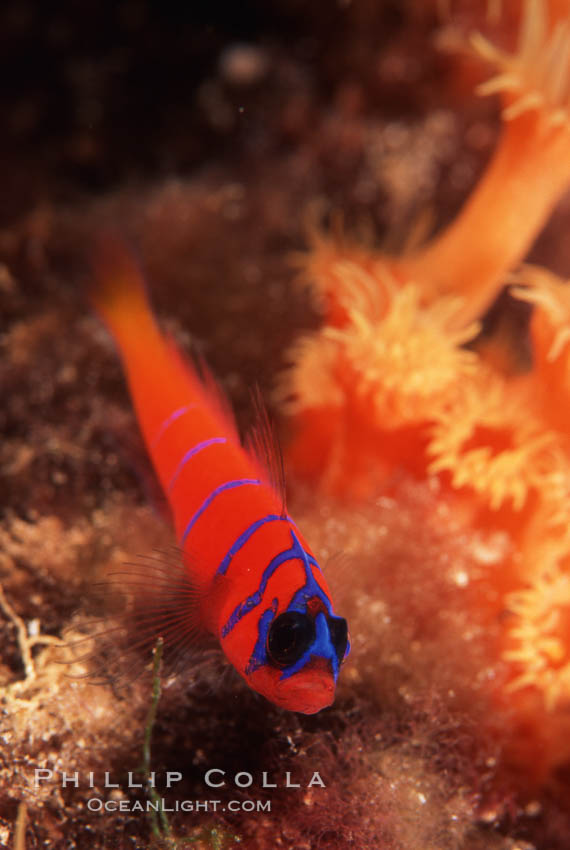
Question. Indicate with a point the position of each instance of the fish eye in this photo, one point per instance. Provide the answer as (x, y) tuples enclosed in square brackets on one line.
[(338, 630), (289, 637)]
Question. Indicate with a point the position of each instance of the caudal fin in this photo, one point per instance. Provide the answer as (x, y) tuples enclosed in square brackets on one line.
[(118, 290)]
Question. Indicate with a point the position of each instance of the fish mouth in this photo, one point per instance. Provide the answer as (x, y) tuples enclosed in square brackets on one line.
[(307, 692)]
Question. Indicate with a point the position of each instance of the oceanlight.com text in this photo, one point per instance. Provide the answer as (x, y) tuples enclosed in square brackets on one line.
[(96, 804)]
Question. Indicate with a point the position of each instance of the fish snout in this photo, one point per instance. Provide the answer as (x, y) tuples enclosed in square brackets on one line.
[(308, 691)]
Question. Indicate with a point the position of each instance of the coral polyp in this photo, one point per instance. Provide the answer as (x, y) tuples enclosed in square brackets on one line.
[(484, 440), (536, 77), (541, 634), (368, 369)]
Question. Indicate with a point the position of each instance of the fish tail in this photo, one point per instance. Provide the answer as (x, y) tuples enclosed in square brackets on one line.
[(118, 292)]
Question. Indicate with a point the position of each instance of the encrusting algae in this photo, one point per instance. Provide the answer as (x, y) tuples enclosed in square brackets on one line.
[(396, 381)]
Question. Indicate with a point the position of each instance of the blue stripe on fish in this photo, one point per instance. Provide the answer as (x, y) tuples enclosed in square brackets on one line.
[(259, 655), (190, 453), (169, 420), (309, 590), (321, 647), (228, 485), (244, 537)]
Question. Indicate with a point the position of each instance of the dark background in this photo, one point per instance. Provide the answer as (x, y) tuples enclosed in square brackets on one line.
[(98, 93)]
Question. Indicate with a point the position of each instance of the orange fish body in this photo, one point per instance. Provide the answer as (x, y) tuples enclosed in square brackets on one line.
[(261, 591)]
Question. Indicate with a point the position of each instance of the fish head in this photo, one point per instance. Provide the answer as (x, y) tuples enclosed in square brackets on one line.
[(301, 660)]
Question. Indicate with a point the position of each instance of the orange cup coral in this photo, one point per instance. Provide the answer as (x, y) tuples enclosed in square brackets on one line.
[(387, 386)]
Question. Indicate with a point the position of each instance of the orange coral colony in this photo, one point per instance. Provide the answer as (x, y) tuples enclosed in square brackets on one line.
[(528, 173), (387, 386)]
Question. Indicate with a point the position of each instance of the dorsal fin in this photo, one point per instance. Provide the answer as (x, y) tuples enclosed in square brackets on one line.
[(216, 396), (263, 445), (212, 393)]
